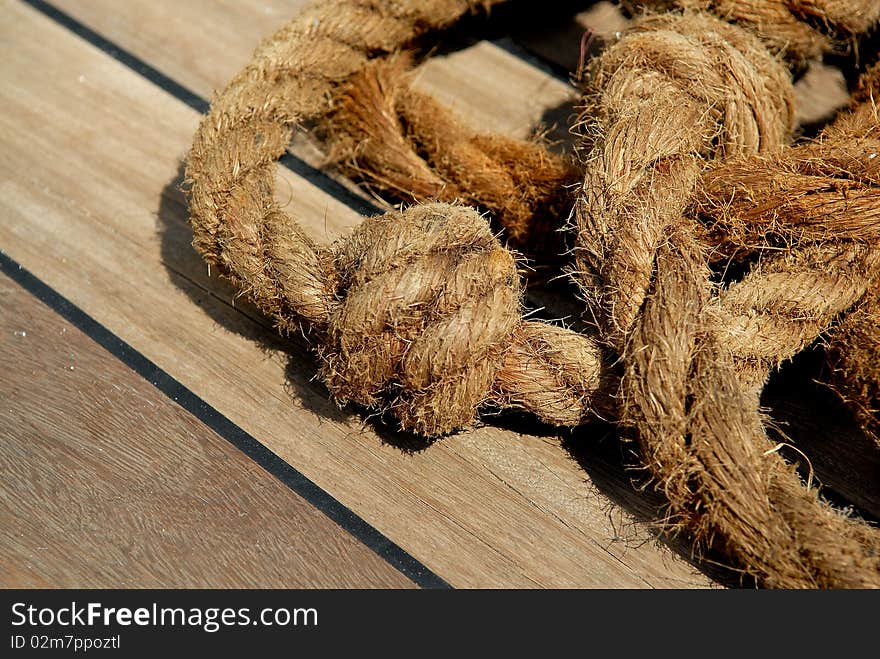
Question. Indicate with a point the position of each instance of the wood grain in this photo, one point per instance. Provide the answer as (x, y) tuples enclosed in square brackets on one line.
[(88, 170), (107, 483)]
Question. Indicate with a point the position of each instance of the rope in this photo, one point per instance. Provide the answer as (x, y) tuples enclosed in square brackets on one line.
[(418, 312)]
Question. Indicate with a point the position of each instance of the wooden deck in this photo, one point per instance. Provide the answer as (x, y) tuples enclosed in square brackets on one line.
[(154, 431)]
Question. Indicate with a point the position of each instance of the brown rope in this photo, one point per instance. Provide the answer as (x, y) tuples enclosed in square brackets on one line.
[(406, 144), (854, 344), (419, 311), (817, 203), (823, 190), (676, 90), (854, 356)]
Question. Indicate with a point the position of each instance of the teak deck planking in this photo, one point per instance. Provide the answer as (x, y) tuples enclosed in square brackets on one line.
[(88, 196)]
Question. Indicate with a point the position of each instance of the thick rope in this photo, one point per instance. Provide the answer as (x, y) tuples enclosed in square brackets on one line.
[(404, 143), (678, 91), (854, 356), (674, 92), (820, 191), (854, 344), (817, 204), (427, 322), (230, 167)]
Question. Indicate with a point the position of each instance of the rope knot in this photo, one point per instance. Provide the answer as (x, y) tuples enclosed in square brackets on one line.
[(426, 302)]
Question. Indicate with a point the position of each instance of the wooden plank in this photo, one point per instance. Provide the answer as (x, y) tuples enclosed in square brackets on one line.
[(199, 43), (87, 177), (107, 483)]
